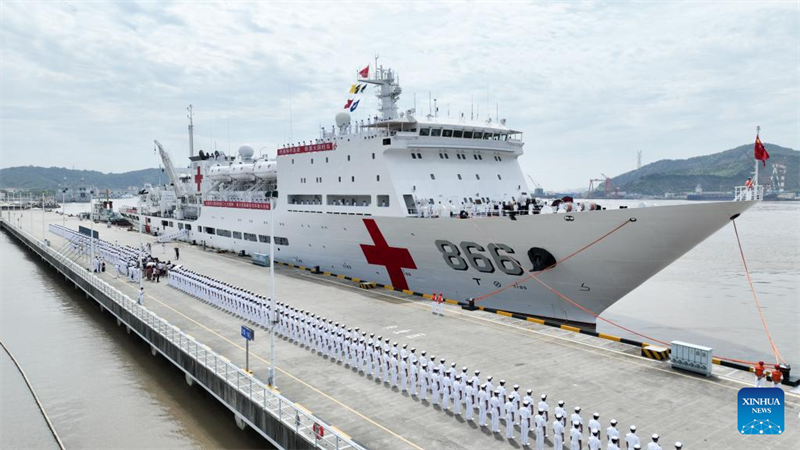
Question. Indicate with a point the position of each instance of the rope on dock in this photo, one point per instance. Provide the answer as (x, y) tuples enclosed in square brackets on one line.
[(35, 397)]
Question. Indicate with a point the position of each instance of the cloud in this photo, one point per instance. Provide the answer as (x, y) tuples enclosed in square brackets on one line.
[(91, 84)]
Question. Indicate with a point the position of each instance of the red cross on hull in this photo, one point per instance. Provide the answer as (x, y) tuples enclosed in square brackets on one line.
[(198, 178), (395, 259)]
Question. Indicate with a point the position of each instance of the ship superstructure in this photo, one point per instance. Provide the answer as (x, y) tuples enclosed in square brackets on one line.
[(424, 203)]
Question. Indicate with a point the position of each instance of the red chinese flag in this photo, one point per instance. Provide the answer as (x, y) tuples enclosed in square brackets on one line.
[(349, 102), (364, 73), (760, 152)]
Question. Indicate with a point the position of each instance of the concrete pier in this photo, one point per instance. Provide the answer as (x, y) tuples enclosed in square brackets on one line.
[(599, 375)]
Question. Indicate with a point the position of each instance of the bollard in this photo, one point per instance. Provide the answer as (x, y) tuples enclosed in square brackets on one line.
[(470, 306)]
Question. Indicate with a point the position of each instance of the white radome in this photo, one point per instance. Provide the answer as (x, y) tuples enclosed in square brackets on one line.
[(246, 151)]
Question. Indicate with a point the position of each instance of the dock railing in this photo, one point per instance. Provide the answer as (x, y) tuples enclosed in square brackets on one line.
[(311, 428)]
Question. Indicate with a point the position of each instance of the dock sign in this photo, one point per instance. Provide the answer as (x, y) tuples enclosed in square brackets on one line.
[(248, 333)]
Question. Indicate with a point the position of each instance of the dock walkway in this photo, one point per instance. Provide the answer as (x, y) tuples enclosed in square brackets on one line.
[(596, 374)]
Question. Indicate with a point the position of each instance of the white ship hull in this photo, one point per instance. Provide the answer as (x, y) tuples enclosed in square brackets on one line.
[(410, 258)]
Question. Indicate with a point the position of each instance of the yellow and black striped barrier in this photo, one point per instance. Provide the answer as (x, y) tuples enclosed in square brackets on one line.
[(655, 352), (367, 285)]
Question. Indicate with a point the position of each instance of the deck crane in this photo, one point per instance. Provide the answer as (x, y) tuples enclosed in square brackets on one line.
[(175, 182)]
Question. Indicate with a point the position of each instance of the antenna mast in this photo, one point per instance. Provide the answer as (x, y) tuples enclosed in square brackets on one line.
[(191, 131)]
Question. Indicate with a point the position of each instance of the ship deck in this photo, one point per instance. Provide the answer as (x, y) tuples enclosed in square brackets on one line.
[(597, 374)]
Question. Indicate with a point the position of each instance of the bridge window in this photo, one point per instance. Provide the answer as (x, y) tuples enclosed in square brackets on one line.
[(413, 156), (436, 132), (348, 200), (419, 155), (353, 179), (383, 201), (281, 240), (305, 199), (446, 156), (377, 178), (250, 237), (210, 230), (447, 133), (467, 134), (348, 157), (503, 137), (487, 135), (263, 239), (373, 156), (223, 233), (458, 133), (424, 131), (477, 135), (237, 235), (441, 156)]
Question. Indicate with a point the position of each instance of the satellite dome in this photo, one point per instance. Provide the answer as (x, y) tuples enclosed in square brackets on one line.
[(246, 151), (342, 119)]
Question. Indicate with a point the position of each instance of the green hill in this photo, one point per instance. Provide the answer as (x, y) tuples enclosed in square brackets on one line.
[(49, 178), (718, 172)]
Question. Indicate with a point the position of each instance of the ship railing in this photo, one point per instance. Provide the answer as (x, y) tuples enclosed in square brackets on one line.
[(748, 193), (305, 424)]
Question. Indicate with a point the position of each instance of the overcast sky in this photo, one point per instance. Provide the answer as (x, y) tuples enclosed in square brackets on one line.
[(91, 84)]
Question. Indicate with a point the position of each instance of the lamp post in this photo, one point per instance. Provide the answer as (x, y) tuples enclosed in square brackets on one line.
[(91, 227), (273, 306), (141, 262)]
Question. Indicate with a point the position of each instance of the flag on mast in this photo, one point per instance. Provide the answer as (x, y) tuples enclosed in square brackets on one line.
[(364, 73), (760, 152)]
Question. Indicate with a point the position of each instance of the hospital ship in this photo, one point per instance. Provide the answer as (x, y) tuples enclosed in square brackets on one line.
[(426, 204)]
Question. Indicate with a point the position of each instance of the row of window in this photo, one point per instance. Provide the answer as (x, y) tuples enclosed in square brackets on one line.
[(338, 200), (465, 134), (475, 156), (243, 236), (327, 160), (477, 176), (319, 179)]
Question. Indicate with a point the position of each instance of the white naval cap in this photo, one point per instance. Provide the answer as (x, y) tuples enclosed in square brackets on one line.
[(655, 437), (577, 409), (561, 403), (596, 415), (614, 422), (633, 428), (530, 391), (516, 386), (678, 445), (544, 396), (558, 415), (541, 410)]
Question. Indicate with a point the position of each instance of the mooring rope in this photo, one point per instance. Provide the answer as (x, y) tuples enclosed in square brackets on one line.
[(35, 397)]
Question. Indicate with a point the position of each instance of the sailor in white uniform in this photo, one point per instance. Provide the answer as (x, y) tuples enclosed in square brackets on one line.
[(575, 437), (510, 412), (558, 432), (594, 424), (514, 399), (483, 403), (559, 410), (612, 430), (576, 417), (594, 440), (468, 395), (631, 438), (525, 421), (654, 445), (541, 425), (543, 406), (494, 410)]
